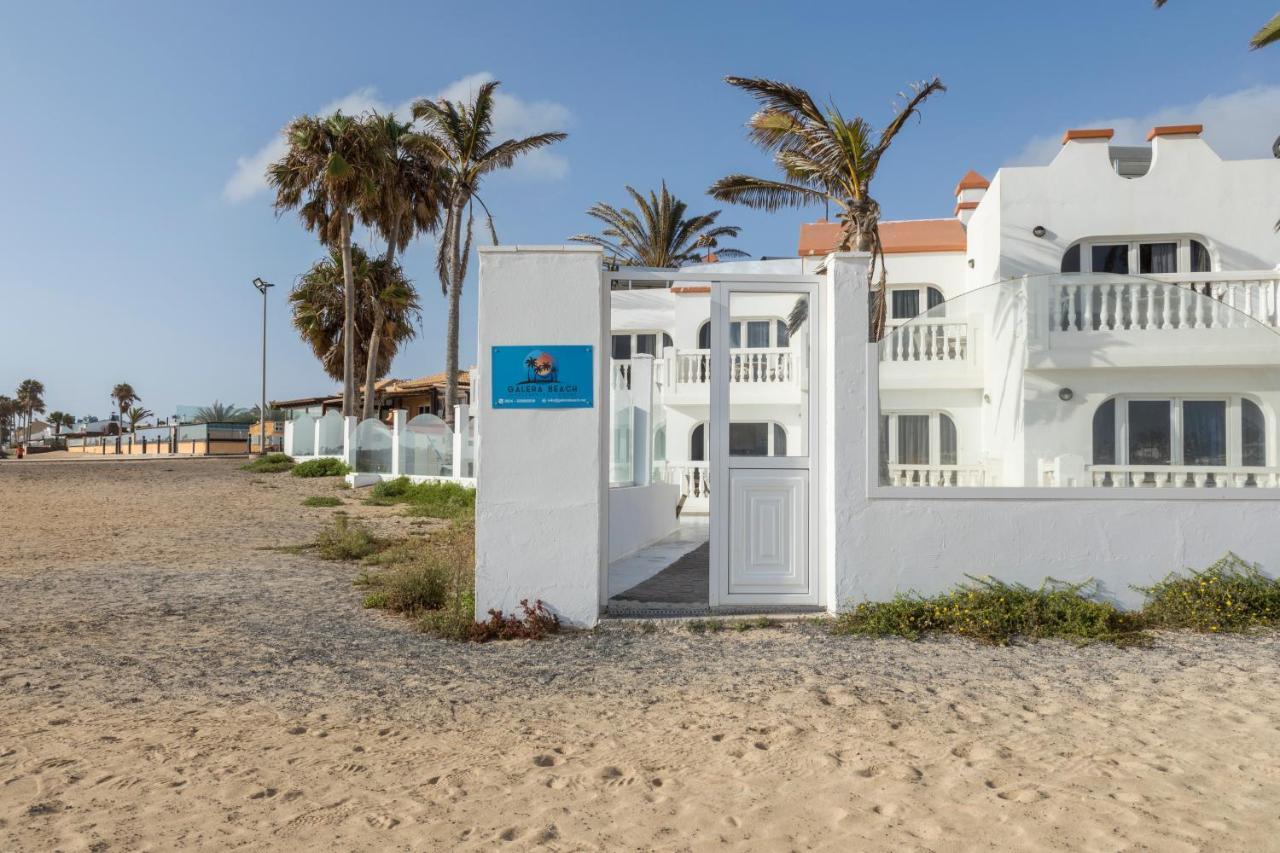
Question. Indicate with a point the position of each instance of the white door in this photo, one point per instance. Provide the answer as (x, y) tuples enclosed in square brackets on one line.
[(762, 443)]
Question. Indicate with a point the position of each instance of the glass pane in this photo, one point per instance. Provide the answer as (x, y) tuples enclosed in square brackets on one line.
[(622, 346), (906, 304), (1071, 259), (735, 335), (884, 450), (769, 404), (704, 336), (1149, 432), (698, 443), (935, 297), (1204, 432), (748, 439), (666, 341), (913, 439), (1111, 258), (1157, 257), (1253, 434), (1199, 257), (647, 344), (947, 440), (1104, 434)]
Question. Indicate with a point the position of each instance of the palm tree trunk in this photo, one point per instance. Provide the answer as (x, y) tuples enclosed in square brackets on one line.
[(348, 320), (455, 299), (375, 340)]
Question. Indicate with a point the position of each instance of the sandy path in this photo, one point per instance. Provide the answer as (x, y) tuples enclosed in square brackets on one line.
[(170, 685)]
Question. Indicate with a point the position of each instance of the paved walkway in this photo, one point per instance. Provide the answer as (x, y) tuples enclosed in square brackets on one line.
[(628, 572)]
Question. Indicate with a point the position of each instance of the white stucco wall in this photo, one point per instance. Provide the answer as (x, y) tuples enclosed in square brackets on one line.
[(640, 516), (879, 542), (541, 502)]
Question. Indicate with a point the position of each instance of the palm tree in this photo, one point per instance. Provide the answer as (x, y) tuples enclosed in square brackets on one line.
[(8, 412), (325, 175), (457, 136), (30, 399), (660, 235), (68, 420), (137, 414), (124, 397), (317, 302), (219, 413), (405, 203), (55, 420), (824, 157), (1269, 33)]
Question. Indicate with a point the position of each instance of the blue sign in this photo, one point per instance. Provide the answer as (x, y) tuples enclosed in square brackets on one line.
[(537, 377)]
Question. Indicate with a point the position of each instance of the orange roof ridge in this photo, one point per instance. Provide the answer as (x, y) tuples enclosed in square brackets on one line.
[(1175, 130), (897, 237), (972, 181), (1088, 133)]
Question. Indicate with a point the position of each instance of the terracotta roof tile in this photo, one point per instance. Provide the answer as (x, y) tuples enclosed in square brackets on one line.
[(1094, 133), (972, 181), (900, 237), (1175, 130)]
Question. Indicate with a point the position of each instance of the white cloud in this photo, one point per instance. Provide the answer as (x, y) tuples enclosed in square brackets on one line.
[(512, 117), (1239, 125)]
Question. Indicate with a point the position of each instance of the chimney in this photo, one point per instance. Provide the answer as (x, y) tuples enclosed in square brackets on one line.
[(969, 193)]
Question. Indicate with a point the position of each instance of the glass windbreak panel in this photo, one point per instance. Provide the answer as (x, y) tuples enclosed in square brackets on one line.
[(1157, 258), (769, 403), (330, 441), (1112, 257), (1084, 380), (304, 435), (426, 447), (913, 439), (1253, 434), (1204, 432), (906, 304), (373, 447), (1150, 432)]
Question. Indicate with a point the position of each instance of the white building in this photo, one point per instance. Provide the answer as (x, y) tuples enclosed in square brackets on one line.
[(1064, 381)]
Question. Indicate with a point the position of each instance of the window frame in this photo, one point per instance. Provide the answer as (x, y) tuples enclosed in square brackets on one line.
[(662, 342), (775, 325), (922, 298), (1177, 437), (1134, 243), (770, 444), (935, 435)]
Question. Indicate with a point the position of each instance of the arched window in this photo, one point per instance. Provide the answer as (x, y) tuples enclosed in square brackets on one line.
[(1153, 430), (918, 438), (704, 335), (698, 444), (660, 443), (905, 302), (1145, 256), (746, 438)]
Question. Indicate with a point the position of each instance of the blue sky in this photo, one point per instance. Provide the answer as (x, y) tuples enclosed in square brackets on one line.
[(134, 132)]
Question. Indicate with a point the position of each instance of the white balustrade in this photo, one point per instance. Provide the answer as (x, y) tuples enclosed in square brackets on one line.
[(749, 366), (937, 475), (1196, 301), (928, 340), (620, 374), (1182, 476), (693, 478)]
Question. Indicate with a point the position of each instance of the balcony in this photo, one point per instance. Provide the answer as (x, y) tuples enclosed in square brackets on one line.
[(765, 375), (1143, 306)]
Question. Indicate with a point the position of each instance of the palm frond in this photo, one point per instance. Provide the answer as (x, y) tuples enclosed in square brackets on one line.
[(1269, 34), (763, 193)]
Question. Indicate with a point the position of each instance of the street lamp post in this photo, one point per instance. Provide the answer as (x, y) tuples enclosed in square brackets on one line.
[(262, 287)]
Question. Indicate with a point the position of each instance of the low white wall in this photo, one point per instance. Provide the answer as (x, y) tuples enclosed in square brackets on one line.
[(640, 516), (875, 545)]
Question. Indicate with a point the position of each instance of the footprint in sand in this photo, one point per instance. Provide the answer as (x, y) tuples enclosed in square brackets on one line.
[(1023, 795), (547, 760)]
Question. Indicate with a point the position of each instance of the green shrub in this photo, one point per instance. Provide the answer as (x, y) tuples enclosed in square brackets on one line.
[(1230, 595), (995, 612), (432, 500), (322, 501), (272, 463), (344, 539), (324, 467)]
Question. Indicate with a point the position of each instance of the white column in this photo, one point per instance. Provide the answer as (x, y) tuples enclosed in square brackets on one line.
[(849, 422), (399, 418), (642, 422), (315, 438), (461, 418), (349, 424), (288, 438), (542, 498)]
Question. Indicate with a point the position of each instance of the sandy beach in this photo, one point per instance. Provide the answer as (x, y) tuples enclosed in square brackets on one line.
[(170, 682)]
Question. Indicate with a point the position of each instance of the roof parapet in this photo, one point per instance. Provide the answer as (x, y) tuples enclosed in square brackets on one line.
[(1175, 130), (1083, 134)]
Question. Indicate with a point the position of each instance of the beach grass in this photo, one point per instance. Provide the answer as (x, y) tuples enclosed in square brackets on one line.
[(323, 467), (428, 500), (271, 463), (322, 501), (345, 539), (1230, 595)]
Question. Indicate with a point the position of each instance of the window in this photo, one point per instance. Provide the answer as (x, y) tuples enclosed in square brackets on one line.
[(757, 334), (924, 438), (1150, 256), (660, 444), (746, 438), (904, 302), (624, 344), (1191, 431)]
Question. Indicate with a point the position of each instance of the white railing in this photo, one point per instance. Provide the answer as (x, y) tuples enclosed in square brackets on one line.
[(927, 340), (937, 475), (1199, 301), (693, 478), (1181, 476), (748, 366)]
